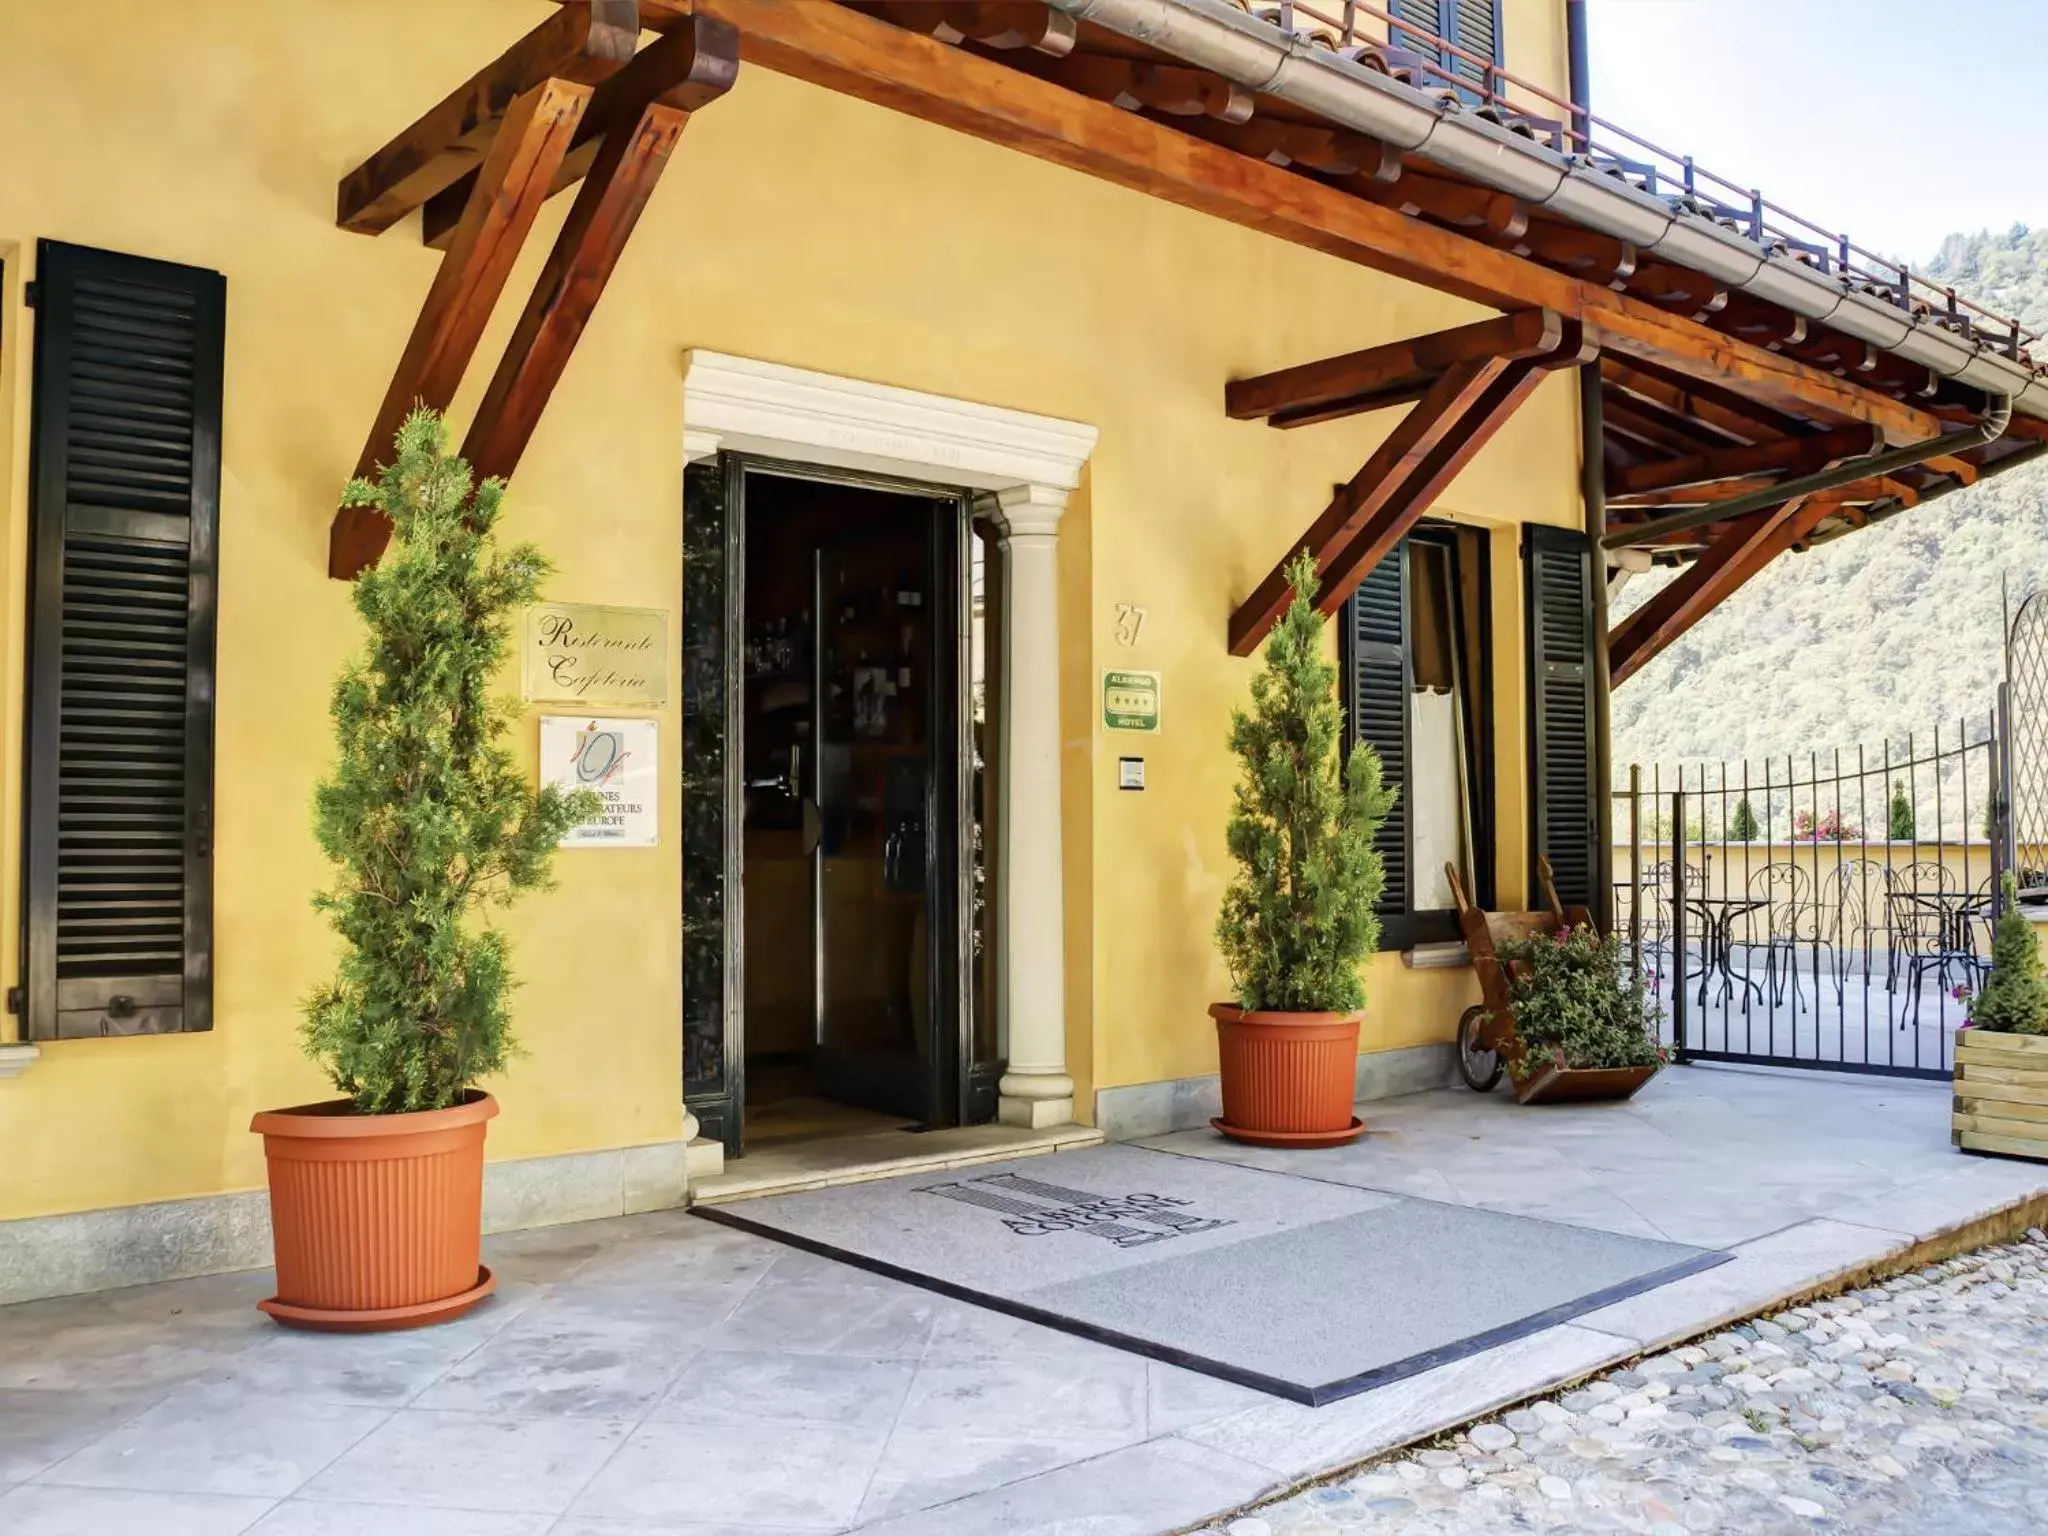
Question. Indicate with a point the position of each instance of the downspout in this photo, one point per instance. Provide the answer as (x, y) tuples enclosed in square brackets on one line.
[(1593, 490), (1988, 428), (1578, 62)]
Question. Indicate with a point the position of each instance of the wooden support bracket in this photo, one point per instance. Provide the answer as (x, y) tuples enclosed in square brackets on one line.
[(680, 68), (1742, 550), (1451, 422), (640, 112), (510, 188), (588, 248), (580, 43)]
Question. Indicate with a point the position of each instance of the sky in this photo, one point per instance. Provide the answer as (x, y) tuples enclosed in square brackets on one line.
[(1899, 121)]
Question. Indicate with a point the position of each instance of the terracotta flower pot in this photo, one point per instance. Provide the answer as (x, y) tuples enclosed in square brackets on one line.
[(1287, 1077), (375, 1219)]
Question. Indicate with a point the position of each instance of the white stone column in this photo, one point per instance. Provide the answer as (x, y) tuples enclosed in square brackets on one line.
[(1036, 1090)]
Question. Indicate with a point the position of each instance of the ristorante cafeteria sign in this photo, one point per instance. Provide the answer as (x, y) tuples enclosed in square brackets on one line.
[(587, 653)]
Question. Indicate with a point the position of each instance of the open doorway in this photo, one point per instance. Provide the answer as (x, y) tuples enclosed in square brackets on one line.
[(843, 719), (835, 781)]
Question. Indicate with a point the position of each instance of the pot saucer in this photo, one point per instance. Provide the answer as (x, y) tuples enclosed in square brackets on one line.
[(382, 1319), (1350, 1133)]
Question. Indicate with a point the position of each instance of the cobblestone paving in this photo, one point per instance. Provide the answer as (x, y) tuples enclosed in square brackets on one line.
[(1918, 1405)]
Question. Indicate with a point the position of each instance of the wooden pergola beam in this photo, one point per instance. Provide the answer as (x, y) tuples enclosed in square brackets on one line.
[(511, 185), (1692, 495), (1452, 421), (1391, 374), (841, 49), (1725, 410), (1665, 435), (1000, 24), (1363, 162), (1134, 85), (581, 43), (1785, 455), (1595, 257), (1741, 551), (1499, 218), (1676, 288)]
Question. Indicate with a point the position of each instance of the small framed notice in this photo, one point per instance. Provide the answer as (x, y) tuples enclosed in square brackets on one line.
[(1130, 701), (616, 758), (590, 653)]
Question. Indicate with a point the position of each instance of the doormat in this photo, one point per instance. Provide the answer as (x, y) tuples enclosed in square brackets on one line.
[(1306, 1290)]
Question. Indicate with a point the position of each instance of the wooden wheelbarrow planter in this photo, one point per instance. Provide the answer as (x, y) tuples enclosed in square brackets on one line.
[(2001, 1088), (1489, 1026)]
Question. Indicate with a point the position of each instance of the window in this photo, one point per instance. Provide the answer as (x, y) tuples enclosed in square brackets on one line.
[(1417, 662), (1473, 25), (125, 494)]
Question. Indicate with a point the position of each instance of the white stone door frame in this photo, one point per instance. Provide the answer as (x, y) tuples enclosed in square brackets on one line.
[(1028, 465)]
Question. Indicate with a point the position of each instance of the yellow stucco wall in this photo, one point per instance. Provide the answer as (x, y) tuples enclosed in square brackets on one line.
[(793, 225)]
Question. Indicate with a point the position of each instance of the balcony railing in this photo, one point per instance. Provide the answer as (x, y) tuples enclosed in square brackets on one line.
[(1367, 35)]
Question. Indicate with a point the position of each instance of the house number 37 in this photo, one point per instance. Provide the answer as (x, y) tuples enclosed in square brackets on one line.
[(1130, 623)]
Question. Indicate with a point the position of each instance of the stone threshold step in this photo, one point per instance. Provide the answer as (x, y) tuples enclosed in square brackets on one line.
[(835, 1160)]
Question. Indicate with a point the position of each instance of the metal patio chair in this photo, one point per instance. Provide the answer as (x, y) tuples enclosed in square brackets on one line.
[(1974, 923), (1918, 924), (1655, 913), (1791, 919), (1857, 892)]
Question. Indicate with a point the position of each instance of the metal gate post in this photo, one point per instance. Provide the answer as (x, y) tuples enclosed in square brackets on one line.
[(2004, 845), (1635, 866), (1678, 925)]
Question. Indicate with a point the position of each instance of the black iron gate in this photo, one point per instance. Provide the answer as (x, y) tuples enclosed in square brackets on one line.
[(1833, 913)]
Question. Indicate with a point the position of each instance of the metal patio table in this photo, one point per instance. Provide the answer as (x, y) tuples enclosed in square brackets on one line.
[(1717, 915)]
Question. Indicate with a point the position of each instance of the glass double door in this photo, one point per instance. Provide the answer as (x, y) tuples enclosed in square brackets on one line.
[(830, 972)]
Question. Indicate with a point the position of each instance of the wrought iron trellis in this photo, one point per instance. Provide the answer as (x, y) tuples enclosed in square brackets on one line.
[(1825, 910), (2023, 708)]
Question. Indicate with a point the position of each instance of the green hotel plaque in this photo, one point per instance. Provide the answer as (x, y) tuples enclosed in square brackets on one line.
[(1130, 701)]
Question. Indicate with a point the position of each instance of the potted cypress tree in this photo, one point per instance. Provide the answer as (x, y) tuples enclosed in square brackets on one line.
[(2001, 1078), (376, 1197), (1297, 920)]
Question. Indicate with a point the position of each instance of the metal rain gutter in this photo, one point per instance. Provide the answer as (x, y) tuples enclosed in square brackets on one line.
[(1892, 507), (1989, 428), (1218, 37)]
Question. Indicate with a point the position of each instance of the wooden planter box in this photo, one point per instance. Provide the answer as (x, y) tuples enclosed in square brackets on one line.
[(2001, 1094), (1567, 1085)]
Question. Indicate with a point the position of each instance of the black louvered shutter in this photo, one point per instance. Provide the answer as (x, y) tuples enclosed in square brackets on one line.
[(1374, 652), (1562, 701), (125, 474)]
